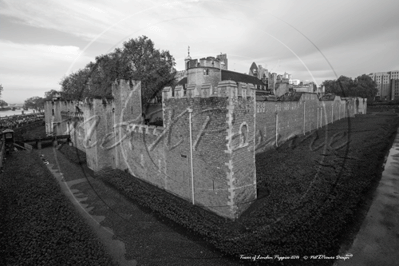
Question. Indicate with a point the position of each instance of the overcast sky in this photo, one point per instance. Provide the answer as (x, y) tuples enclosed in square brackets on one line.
[(41, 41)]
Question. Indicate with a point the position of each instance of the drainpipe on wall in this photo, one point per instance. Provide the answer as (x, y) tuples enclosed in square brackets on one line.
[(276, 128), (191, 154), (304, 118), (321, 117)]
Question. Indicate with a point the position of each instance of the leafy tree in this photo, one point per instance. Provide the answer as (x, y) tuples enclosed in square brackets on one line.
[(153, 67), (48, 95), (74, 86), (366, 87), (1, 90), (332, 86), (104, 72), (3, 103), (363, 86), (138, 59), (35, 102)]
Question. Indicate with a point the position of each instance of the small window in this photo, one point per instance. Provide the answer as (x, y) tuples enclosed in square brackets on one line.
[(206, 72), (244, 134)]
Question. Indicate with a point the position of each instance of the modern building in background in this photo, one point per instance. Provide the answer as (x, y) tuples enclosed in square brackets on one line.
[(385, 83), (394, 89)]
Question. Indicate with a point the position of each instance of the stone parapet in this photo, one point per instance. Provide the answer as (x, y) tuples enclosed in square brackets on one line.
[(226, 88), (191, 91)]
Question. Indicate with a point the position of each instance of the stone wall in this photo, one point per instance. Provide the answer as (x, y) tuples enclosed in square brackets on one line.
[(278, 121), (57, 114), (205, 151), (241, 174), (197, 76), (220, 174)]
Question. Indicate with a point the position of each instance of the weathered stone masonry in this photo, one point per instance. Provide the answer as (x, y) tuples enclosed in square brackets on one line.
[(205, 152), (220, 174)]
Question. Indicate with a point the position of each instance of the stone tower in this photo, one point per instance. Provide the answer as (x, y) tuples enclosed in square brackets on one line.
[(209, 146)]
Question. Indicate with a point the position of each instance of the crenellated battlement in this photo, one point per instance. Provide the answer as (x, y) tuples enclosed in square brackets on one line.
[(205, 150), (226, 88)]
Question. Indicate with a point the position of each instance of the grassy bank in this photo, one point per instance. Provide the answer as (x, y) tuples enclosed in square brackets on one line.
[(34, 133), (73, 154), (309, 191), (38, 224)]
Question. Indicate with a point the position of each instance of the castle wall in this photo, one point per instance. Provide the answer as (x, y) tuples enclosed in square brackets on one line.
[(208, 137), (205, 152), (98, 122), (222, 138), (127, 110), (48, 116), (71, 122), (64, 106), (241, 177), (57, 115), (312, 106), (141, 159), (196, 76), (362, 105), (76, 130), (278, 121)]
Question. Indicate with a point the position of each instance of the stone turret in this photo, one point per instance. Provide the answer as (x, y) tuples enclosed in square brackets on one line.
[(220, 174)]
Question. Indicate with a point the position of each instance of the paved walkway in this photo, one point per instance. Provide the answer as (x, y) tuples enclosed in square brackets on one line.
[(377, 242), (114, 247), (132, 235)]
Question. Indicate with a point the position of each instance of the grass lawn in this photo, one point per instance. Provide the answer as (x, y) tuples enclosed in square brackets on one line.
[(38, 224), (310, 190)]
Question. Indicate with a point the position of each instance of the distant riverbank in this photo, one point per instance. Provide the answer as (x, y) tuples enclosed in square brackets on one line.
[(4, 113)]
